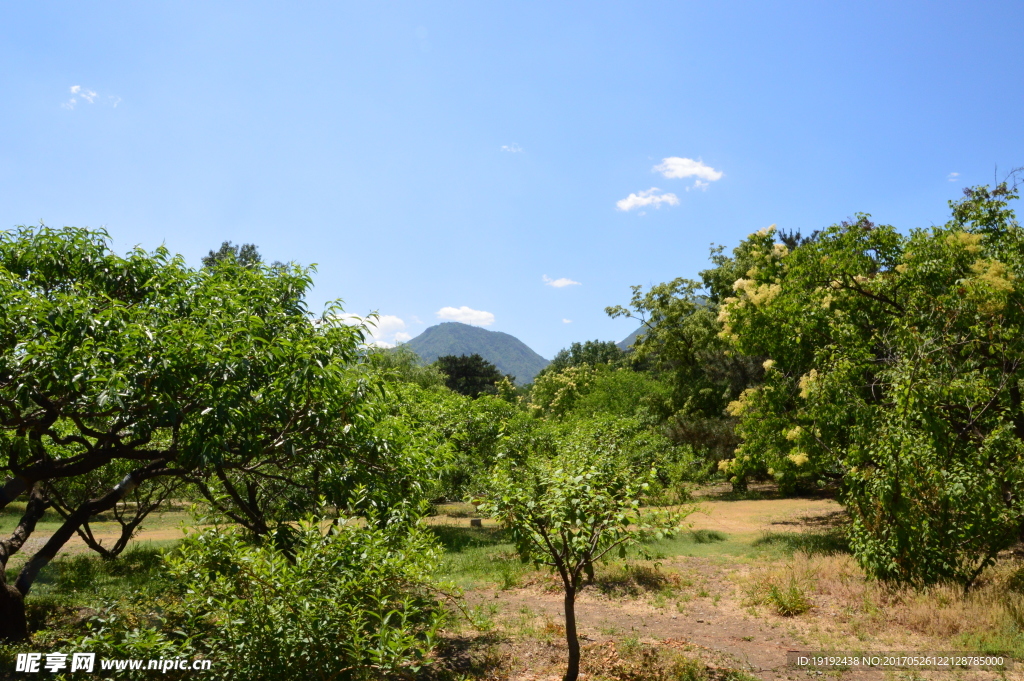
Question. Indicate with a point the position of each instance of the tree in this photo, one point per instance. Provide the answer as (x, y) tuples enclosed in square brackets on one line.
[(894, 366), (682, 344), (460, 436), (217, 376), (469, 375), (590, 353), (569, 511), (586, 390), (68, 494), (403, 364), (245, 255)]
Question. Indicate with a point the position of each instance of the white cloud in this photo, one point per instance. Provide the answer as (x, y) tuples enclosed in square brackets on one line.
[(566, 321), (676, 167), (466, 315), (384, 332), (647, 198), (953, 177), (559, 283), (697, 184), (79, 92), (512, 148)]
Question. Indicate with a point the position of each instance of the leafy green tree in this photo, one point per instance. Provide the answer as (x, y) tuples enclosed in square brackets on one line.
[(568, 511), (217, 376), (556, 393), (586, 390), (682, 345), (894, 365), (461, 437), (470, 375), (246, 255), (402, 364), (590, 352)]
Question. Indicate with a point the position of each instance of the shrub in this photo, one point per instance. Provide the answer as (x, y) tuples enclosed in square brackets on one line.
[(350, 603)]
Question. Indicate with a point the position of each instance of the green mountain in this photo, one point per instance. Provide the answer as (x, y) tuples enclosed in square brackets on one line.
[(508, 353), (630, 339)]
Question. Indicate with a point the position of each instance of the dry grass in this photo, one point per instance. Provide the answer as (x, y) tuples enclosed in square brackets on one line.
[(635, 661), (989, 617), (635, 579)]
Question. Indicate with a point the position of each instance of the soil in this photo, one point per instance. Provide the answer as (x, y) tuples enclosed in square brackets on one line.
[(714, 623)]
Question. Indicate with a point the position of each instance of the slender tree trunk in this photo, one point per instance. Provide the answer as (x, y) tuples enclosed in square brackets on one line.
[(572, 672), (13, 623)]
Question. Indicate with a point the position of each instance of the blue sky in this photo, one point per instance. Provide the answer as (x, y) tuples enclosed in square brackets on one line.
[(460, 159)]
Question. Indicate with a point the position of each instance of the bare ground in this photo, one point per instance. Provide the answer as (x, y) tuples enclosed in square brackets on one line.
[(713, 620)]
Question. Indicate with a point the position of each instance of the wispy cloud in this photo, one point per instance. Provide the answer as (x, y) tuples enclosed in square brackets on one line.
[(953, 177), (559, 283), (512, 148), (79, 93), (566, 321), (675, 167), (466, 315), (649, 197)]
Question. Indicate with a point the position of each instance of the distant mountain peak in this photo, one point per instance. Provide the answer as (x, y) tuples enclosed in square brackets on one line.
[(508, 353), (628, 341)]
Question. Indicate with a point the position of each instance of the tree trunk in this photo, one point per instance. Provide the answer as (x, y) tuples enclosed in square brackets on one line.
[(13, 624), (572, 672), (74, 520), (12, 489), (81, 514)]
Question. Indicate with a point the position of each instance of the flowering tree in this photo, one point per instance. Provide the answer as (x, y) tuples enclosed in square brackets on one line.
[(896, 367)]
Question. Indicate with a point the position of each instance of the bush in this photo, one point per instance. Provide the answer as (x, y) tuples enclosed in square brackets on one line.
[(788, 601), (893, 369), (351, 603)]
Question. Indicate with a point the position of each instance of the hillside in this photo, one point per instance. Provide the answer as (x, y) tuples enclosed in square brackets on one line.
[(630, 339), (508, 353)]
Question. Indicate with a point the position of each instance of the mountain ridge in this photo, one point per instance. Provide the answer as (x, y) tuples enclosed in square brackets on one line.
[(503, 350)]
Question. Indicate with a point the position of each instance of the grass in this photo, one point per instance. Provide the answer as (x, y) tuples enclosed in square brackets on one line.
[(788, 600), (632, 660), (828, 543), (83, 579), (990, 618), (70, 588), (475, 556), (623, 578), (810, 578), (747, 546)]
